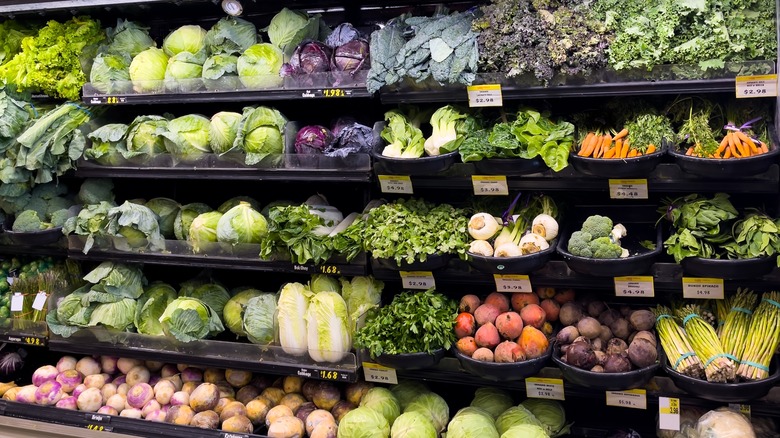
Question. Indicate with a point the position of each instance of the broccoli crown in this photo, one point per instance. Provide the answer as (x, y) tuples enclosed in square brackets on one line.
[(579, 244), (604, 248), (27, 221), (49, 191), (56, 204), (59, 217), (39, 205), (597, 226), (93, 191)]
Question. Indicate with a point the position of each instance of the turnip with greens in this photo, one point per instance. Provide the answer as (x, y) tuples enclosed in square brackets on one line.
[(79, 389), (532, 243), (95, 381), (150, 406), (108, 390), (126, 364), (481, 247), (67, 403), (49, 393), (44, 374), (69, 379), (108, 364), (117, 401), (546, 226), (66, 363), (139, 394), (90, 400), (88, 366), (122, 389)]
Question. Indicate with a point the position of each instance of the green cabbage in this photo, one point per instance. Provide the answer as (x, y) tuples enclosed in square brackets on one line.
[(363, 423), (166, 210), (110, 73), (232, 202), (224, 128), (258, 323), (231, 35), (128, 38), (145, 136), (382, 401), (189, 319), (203, 229), (525, 431), (214, 295), (408, 390), (190, 38), (514, 416), (433, 407), (241, 224), (233, 313), (151, 306), (260, 65), (219, 66), (187, 137), (324, 283), (118, 315), (470, 423), (361, 294), (492, 400), (147, 69), (291, 312), (550, 413), (122, 280), (185, 216), (288, 28), (327, 324), (137, 224), (260, 134), (413, 425), (182, 69), (108, 143)]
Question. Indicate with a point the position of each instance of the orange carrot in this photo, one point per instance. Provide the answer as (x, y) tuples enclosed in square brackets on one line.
[(610, 153), (618, 147), (732, 146), (764, 148), (632, 153), (747, 141), (689, 151), (723, 145), (727, 154), (586, 142), (650, 149), (589, 147), (621, 134)]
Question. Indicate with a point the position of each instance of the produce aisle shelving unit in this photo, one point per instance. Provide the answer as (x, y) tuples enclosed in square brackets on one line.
[(166, 179)]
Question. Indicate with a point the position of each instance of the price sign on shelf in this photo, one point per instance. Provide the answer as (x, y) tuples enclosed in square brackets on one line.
[(703, 288), (632, 398), (756, 86), (513, 283), (417, 280), (396, 184), (490, 185), (668, 413), (537, 387), (484, 95), (380, 374), (628, 189), (744, 409), (641, 286)]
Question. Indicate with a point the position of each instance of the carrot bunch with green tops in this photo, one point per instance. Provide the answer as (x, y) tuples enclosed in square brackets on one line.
[(735, 144), (606, 145)]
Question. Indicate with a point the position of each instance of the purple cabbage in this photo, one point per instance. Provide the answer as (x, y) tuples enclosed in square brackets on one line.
[(351, 57), (313, 139), (342, 34), (353, 138), (340, 123), (311, 57)]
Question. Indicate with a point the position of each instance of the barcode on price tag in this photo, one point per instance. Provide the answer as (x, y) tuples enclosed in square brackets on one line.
[(417, 280), (628, 189), (396, 184), (703, 288), (632, 398), (641, 286), (17, 302), (40, 300), (484, 95), (379, 374), (744, 409), (668, 413), (537, 387), (492, 185), (756, 86), (513, 283)]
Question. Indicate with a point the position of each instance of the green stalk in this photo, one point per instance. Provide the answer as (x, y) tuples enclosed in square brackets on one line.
[(763, 338), (736, 326), (676, 345), (705, 343)]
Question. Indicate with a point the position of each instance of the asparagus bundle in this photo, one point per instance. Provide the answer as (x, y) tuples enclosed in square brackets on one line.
[(722, 309), (762, 338), (676, 346), (735, 329), (706, 345)]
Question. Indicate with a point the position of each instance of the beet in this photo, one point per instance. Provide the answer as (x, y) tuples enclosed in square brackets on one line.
[(616, 363), (616, 346), (642, 353), (581, 356)]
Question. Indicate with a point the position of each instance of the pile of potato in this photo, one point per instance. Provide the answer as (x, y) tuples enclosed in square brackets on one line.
[(605, 339)]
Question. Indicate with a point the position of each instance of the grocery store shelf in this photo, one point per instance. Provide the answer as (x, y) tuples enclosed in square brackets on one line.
[(666, 178), (48, 250), (27, 6), (207, 353), (177, 253), (24, 332), (664, 79), (49, 422)]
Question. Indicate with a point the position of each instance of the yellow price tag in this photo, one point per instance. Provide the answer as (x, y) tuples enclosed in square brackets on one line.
[(703, 288)]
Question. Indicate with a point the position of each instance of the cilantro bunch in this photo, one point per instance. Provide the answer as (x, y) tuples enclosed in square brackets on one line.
[(413, 322)]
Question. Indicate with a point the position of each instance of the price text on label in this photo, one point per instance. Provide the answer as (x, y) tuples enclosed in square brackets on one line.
[(379, 374), (537, 387), (668, 413), (493, 185), (417, 280), (703, 288), (513, 283), (329, 269), (485, 95), (632, 398), (641, 286), (396, 184), (756, 86), (333, 92), (628, 189), (329, 375), (744, 409)]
